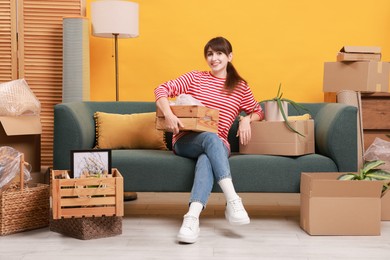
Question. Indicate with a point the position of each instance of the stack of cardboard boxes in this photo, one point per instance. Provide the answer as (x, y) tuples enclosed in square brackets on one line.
[(357, 68), (330, 206)]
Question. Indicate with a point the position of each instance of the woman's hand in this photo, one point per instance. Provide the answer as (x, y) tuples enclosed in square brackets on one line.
[(244, 130), (172, 123)]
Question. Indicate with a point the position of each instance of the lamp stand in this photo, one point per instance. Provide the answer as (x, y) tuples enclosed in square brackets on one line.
[(116, 66)]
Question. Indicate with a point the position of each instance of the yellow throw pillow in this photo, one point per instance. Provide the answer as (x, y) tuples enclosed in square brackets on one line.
[(128, 131)]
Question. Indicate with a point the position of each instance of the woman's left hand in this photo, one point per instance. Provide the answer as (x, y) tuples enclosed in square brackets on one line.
[(244, 130)]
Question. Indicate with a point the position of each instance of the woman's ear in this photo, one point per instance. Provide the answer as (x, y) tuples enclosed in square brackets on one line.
[(230, 56)]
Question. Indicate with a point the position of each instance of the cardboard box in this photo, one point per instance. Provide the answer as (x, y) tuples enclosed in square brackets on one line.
[(23, 133), (274, 138), (334, 207), (359, 53), (385, 201), (194, 118), (364, 76)]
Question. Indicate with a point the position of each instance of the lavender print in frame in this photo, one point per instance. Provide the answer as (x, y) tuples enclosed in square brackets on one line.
[(90, 163)]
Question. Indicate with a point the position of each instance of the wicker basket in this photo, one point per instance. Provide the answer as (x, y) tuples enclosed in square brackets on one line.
[(87, 228), (24, 208)]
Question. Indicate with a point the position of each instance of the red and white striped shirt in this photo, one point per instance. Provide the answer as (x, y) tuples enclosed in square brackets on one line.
[(210, 91)]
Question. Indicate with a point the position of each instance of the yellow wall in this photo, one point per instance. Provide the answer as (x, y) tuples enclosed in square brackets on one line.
[(274, 41)]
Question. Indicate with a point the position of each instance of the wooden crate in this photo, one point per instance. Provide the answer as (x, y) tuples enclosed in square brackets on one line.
[(87, 197), (194, 118)]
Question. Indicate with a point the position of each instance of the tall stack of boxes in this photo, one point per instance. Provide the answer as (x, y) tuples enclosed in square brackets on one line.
[(330, 206)]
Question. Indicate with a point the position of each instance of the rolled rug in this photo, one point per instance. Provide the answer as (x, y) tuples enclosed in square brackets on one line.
[(129, 195)]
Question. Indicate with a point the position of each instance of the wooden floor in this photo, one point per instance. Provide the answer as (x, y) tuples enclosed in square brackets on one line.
[(151, 224)]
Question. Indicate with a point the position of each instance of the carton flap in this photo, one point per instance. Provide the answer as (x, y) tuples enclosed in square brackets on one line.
[(21, 125), (361, 49), (327, 185)]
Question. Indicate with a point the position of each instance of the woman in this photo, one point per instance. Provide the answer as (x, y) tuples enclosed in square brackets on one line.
[(224, 89)]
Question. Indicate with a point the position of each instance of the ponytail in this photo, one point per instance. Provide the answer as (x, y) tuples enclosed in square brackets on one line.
[(232, 78)]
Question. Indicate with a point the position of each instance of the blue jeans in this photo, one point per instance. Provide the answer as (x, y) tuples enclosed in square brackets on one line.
[(212, 162)]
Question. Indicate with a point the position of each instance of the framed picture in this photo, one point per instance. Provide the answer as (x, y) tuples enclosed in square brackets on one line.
[(86, 163)]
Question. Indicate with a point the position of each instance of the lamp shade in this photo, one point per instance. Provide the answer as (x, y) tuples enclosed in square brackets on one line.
[(111, 17)]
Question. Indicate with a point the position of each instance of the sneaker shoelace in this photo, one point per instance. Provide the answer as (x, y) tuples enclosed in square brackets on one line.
[(236, 205), (190, 222)]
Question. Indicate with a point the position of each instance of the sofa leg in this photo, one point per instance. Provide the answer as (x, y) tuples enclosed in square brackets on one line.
[(129, 195)]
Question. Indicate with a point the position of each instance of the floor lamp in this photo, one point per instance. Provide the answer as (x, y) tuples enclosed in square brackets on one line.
[(114, 19)]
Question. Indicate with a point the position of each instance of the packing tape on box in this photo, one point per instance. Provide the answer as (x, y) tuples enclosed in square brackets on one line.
[(378, 87), (379, 68)]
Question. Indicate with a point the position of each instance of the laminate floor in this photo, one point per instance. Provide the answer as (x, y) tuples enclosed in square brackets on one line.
[(151, 223)]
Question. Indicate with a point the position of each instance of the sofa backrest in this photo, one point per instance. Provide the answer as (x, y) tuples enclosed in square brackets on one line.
[(127, 107)]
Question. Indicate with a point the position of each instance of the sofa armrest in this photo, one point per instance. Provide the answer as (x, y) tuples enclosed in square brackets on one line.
[(336, 135), (74, 129)]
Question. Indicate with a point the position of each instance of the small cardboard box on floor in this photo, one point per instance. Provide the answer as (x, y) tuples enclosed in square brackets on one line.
[(23, 133), (334, 207), (274, 138), (194, 118), (365, 76)]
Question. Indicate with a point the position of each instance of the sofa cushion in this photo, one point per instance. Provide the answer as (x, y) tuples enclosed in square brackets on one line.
[(152, 170), (128, 131), (270, 173)]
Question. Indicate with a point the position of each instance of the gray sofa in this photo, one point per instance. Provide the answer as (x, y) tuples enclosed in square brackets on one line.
[(162, 171)]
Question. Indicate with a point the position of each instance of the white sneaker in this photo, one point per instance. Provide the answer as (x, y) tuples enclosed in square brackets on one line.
[(189, 230), (235, 213)]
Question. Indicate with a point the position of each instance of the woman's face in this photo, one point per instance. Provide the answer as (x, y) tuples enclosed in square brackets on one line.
[(217, 62)]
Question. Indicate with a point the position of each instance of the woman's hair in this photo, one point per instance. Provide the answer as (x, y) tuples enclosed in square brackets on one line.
[(223, 45)]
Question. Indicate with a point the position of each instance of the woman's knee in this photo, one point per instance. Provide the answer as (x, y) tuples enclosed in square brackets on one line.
[(209, 137)]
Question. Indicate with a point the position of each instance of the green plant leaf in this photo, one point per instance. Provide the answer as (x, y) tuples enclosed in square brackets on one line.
[(280, 106), (266, 100), (347, 177), (371, 165), (281, 94), (295, 104), (361, 174), (281, 109), (379, 175), (385, 187)]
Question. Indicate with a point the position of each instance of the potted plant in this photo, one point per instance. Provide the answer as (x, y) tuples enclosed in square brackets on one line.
[(370, 171), (277, 107)]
